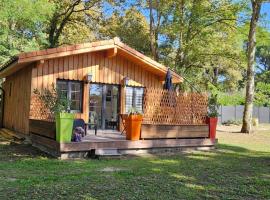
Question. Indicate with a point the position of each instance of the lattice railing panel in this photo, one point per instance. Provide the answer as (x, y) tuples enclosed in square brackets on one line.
[(38, 111), (168, 107)]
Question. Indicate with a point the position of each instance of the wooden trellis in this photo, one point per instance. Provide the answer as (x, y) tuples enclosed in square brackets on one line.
[(160, 107), (168, 107), (38, 111)]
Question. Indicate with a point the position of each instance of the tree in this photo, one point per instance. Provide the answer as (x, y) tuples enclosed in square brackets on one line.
[(201, 42), (69, 13), (262, 94), (247, 116), (22, 27), (155, 15), (135, 26), (263, 57)]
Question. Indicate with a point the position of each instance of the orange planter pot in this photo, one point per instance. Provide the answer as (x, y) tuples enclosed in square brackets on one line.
[(133, 127)]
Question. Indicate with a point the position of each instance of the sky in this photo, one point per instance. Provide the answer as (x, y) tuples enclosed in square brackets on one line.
[(265, 10)]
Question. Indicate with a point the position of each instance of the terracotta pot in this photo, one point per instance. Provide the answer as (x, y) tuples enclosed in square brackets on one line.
[(133, 125), (212, 123)]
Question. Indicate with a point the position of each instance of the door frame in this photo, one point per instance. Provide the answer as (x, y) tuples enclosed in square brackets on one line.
[(103, 103)]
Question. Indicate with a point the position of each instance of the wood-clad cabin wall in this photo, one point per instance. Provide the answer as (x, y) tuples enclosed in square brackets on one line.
[(17, 89), (104, 70)]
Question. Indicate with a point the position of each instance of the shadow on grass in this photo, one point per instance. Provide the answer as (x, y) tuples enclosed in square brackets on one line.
[(227, 172), (13, 151)]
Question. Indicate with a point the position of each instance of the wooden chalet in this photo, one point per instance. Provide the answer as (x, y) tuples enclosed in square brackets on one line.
[(120, 78)]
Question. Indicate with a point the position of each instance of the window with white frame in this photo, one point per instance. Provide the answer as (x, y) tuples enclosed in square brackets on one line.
[(72, 90), (134, 98)]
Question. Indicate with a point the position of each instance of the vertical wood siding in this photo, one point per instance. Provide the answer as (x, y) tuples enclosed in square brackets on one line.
[(17, 89), (104, 70)]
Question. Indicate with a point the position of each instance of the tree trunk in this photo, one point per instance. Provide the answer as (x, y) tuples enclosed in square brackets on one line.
[(180, 53), (152, 30), (247, 116)]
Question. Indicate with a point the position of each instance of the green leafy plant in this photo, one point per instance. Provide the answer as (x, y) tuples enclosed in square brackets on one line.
[(231, 99), (262, 94), (213, 105), (134, 111), (53, 100)]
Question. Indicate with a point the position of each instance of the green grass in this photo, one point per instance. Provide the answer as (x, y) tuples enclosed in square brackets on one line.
[(238, 169)]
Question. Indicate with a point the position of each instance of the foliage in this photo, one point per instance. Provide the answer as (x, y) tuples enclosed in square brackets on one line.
[(262, 94), (263, 52), (263, 57), (213, 105), (131, 27), (134, 111), (205, 41), (22, 25), (70, 16), (231, 99), (53, 100), (202, 42)]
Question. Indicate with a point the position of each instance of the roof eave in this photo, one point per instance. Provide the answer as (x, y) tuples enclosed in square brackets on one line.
[(11, 68), (26, 58)]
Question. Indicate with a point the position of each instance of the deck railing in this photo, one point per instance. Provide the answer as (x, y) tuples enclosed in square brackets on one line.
[(38, 111), (169, 108), (160, 107)]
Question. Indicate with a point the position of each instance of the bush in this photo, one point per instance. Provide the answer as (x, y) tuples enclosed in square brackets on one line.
[(226, 99), (53, 100), (262, 94)]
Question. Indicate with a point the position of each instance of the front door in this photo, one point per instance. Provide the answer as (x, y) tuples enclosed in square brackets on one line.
[(104, 105)]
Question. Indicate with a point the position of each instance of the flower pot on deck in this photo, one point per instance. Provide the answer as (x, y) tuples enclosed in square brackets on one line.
[(212, 123), (64, 126), (133, 127)]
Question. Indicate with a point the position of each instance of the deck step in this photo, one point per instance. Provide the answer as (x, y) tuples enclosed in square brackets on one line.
[(107, 152)]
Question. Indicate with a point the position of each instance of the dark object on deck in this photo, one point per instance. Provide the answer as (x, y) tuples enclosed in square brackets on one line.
[(81, 123), (111, 124), (77, 134), (168, 81)]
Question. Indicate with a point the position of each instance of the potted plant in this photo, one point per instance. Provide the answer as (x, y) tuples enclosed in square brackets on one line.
[(58, 106), (212, 116), (133, 124)]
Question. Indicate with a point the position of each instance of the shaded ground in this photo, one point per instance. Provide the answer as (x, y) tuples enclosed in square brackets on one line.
[(238, 169)]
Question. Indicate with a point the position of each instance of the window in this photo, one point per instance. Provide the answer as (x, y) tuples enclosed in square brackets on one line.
[(73, 91), (134, 98)]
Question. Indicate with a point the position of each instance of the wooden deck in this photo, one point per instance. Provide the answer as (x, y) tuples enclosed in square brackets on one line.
[(103, 136), (116, 141)]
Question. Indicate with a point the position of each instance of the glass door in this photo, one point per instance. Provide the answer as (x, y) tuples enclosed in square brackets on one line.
[(104, 105), (95, 104), (111, 106)]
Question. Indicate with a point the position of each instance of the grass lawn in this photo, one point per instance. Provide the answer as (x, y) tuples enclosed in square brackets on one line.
[(238, 169)]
